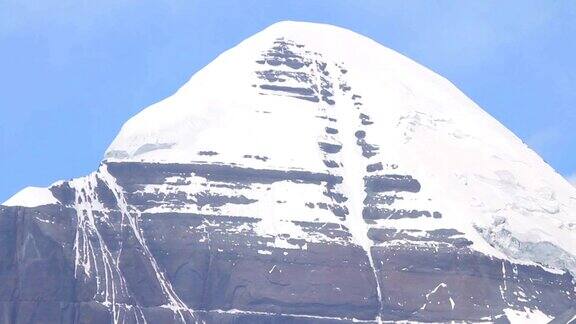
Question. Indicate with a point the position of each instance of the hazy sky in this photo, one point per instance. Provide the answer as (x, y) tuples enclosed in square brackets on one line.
[(72, 71)]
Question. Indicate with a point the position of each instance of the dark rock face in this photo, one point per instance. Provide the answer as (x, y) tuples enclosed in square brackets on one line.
[(287, 54), (104, 256)]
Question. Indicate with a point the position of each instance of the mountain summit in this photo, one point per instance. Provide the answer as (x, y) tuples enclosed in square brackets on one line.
[(307, 175)]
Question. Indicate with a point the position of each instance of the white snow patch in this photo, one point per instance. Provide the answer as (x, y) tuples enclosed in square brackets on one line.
[(527, 316), (32, 197)]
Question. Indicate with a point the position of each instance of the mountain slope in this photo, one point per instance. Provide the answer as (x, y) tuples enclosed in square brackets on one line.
[(308, 174), (243, 104)]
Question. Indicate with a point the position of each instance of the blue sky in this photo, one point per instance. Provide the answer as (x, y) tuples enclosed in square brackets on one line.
[(72, 71)]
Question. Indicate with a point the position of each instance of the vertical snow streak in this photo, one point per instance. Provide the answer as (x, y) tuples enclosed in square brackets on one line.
[(504, 289), (92, 254), (352, 174), (174, 302), (354, 185)]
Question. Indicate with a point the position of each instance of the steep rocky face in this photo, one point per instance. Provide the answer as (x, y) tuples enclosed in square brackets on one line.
[(103, 255), (295, 181)]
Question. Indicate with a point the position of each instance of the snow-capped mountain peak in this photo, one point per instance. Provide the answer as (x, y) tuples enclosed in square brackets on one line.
[(295, 96), (307, 175)]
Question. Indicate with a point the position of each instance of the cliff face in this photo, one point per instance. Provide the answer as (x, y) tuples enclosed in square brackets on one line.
[(96, 258), (308, 175)]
